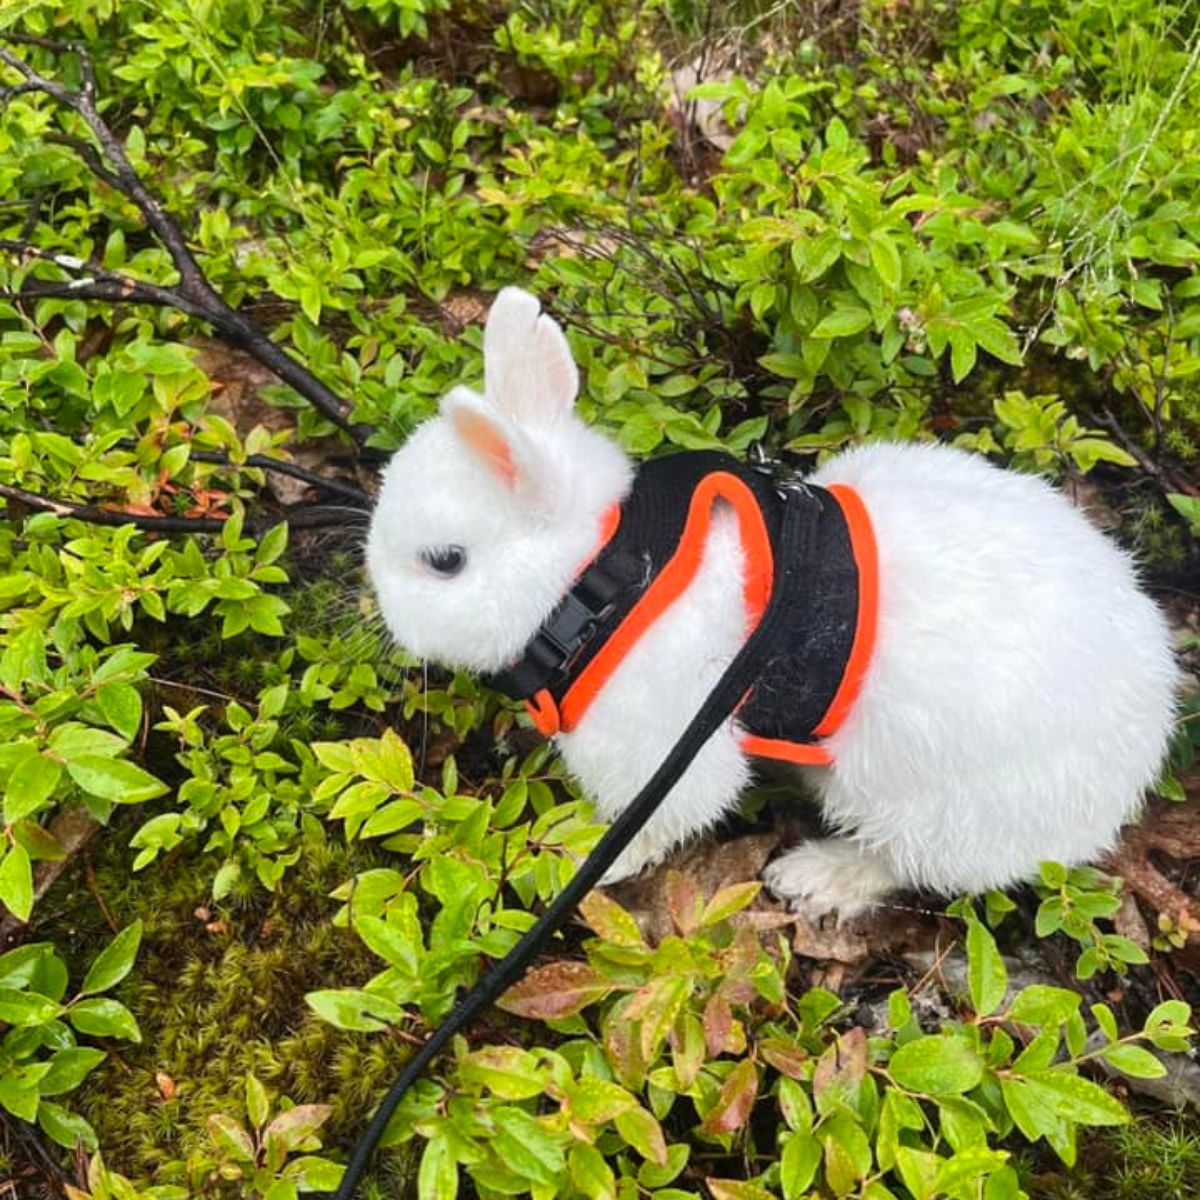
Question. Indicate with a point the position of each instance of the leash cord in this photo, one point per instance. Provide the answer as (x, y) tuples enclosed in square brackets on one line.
[(797, 536)]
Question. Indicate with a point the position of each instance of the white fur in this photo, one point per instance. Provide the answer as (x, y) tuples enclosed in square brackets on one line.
[(1016, 707)]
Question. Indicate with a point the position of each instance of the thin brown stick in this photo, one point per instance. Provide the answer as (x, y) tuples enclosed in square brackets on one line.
[(308, 517)]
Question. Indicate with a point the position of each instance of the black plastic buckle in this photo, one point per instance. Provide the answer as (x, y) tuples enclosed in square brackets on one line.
[(565, 634)]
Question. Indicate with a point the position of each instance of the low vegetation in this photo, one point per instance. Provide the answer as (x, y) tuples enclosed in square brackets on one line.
[(251, 852)]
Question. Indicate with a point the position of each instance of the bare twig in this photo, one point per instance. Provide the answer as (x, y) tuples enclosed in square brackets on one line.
[(307, 517), (193, 295), (95, 282), (1167, 479), (282, 467)]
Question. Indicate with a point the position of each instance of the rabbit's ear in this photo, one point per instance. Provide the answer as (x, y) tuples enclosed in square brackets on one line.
[(528, 369), (496, 442)]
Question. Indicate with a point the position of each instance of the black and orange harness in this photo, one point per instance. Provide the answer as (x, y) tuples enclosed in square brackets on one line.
[(652, 547)]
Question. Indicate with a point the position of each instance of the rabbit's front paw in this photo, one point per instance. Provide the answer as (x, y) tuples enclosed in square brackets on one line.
[(834, 875), (644, 851)]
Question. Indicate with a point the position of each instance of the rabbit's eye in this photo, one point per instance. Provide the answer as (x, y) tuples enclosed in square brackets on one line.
[(444, 560)]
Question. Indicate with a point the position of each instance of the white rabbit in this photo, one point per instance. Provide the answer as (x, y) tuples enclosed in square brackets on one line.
[(1017, 701)]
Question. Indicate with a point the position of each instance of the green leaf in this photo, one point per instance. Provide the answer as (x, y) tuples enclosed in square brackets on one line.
[(733, 1189), (590, 1173), (19, 1099), (1135, 1061), (104, 1018), (798, 1164), (643, 1133), (122, 708), (390, 942), (968, 1165), (1074, 1098), (228, 873), (847, 1152), (257, 1105), (986, 973), (1040, 1004), (898, 1112), (114, 779), (313, 1174), (73, 740), (114, 962), (437, 1177), (506, 1071), (26, 1008), (885, 258), (595, 1101), (962, 352), (526, 1146), (66, 1128), (349, 1008), (939, 1064), (1188, 507), (727, 901), (653, 1175), (30, 785), (609, 920), (919, 1169), (69, 1068), (842, 322), (16, 882), (272, 544)]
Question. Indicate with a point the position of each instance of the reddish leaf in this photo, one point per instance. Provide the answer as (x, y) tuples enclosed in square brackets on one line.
[(841, 1068), (623, 1050), (735, 1102), (786, 1057), (294, 1127), (683, 902), (557, 990), (718, 1021), (736, 1189)]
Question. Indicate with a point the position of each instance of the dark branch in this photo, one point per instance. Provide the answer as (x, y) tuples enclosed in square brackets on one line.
[(281, 467), (314, 517), (263, 462), (96, 282), (194, 295)]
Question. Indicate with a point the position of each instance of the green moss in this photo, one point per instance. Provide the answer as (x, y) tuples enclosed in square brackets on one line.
[(219, 993), (1152, 1159)]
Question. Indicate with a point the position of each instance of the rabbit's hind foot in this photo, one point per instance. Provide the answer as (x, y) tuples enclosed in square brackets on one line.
[(828, 876)]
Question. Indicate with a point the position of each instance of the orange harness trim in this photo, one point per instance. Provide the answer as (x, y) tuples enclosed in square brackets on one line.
[(678, 574)]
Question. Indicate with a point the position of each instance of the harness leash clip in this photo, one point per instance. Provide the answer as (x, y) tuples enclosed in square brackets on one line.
[(786, 481)]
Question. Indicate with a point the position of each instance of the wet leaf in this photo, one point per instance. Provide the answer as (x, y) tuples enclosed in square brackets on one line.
[(557, 990), (736, 1101)]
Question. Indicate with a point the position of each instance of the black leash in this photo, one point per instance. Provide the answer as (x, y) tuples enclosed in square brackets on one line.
[(800, 518)]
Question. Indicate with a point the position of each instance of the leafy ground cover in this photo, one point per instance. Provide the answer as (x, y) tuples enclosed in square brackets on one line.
[(251, 852)]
